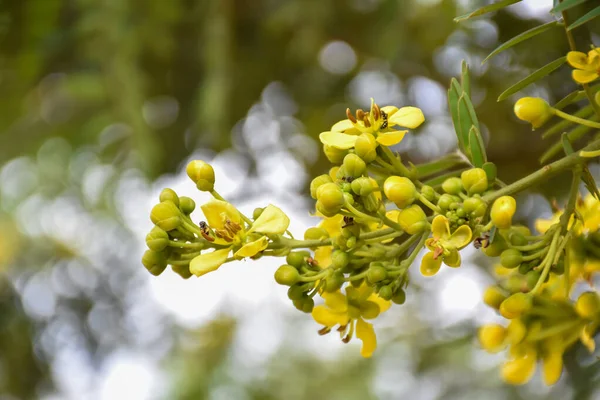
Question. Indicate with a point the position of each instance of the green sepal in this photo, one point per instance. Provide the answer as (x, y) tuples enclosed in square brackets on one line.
[(490, 170), (532, 78), (478, 156), (521, 38), (465, 79), (586, 18), (487, 9), (590, 182)]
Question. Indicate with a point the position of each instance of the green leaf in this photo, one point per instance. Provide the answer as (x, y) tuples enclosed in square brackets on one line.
[(571, 98), (534, 77), (484, 10), (490, 170), (435, 167), (453, 96), (522, 37), (590, 182), (574, 135), (478, 156), (565, 5), (587, 17), (564, 124), (566, 144), (465, 79), (437, 181)]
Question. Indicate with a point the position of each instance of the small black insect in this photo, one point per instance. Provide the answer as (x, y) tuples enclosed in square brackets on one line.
[(348, 221), (384, 118), (482, 241), (205, 231)]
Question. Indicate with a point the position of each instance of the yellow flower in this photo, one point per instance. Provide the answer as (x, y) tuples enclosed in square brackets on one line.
[(587, 66), (349, 312), (444, 246), (229, 228), (521, 367), (378, 122)]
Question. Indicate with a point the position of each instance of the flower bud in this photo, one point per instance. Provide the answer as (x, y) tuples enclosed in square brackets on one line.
[(475, 206), (362, 186), (502, 212), (317, 182), (354, 165), (256, 213), (169, 195), (304, 304), (385, 292), (516, 238), (474, 180), (333, 154), (492, 337), (339, 259), (376, 273), (315, 233), (428, 192), (366, 147), (444, 201), (452, 185), (331, 198), (296, 292), (287, 275), (166, 215), (412, 219), (202, 174), (531, 278), (297, 259), (154, 261), (493, 297), (534, 110), (186, 205), (399, 297), (511, 258), (334, 282), (182, 270), (495, 248), (369, 310), (400, 190), (157, 239), (515, 305), (588, 305)]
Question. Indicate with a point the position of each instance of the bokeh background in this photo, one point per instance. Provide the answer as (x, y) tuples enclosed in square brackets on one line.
[(103, 102)]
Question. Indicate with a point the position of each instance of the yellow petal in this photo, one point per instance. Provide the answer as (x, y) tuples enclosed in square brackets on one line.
[(410, 117), (272, 220), (452, 259), (577, 59), (208, 262), (389, 110), (390, 138), (383, 304), (519, 371), (345, 126), (338, 140), (336, 301), (440, 228), (594, 57), (217, 212), (587, 339), (429, 265), (552, 361), (581, 76), (327, 317), (542, 225), (366, 333), (461, 237), (332, 225), (323, 256), (253, 248)]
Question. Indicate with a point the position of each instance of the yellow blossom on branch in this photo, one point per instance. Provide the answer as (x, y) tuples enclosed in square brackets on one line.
[(587, 66), (444, 245)]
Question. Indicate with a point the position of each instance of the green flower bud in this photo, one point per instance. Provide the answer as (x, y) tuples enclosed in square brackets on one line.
[(376, 273), (333, 154), (315, 233), (351, 242), (169, 195), (474, 180), (331, 198), (559, 268), (257, 212), (339, 259), (357, 283), (354, 165), (588, 305), (366, 147), (493, 297), (362, 186), (304, 304), (475, 207), (460, 213), (534, 110), (317, 182), (452, 185), (400, 190), (157, 239), (515, 305), (187, 205), (182, 270), (334, 282), (412, 219), (287, 275), (385, 292), (511, 258), (517, 238), (496, 248), (348, 199), (502, 211), (154, 261), (531, 278), (428, 192), (202, 174), (399, 297), (296, 292), (297, 259), (525, 267), (445, 201), (166, 215)]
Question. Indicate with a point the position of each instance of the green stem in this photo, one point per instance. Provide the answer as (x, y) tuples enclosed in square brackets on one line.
[(360, 214), (315, 277), (390, 223), (398, 166), (408, 262), (577, 120), (284, 242), (403, 247), (535, 255), (547, 263), (573, 195), (533, 246), (357, 276), (184, 245), (429, 204), (542, 174)]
